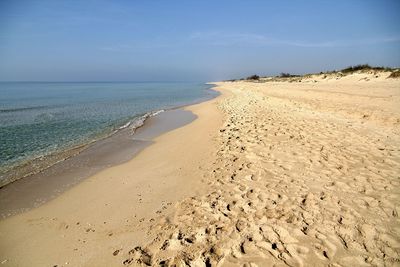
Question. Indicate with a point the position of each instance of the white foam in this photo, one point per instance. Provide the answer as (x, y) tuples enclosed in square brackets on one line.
[(125, 125), (157, 112)]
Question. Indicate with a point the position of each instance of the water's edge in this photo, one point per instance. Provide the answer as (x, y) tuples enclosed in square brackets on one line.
[(46, 122), (43, 162), (35, 189)]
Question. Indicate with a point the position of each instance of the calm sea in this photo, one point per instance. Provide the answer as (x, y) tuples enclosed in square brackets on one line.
[(37, 119)]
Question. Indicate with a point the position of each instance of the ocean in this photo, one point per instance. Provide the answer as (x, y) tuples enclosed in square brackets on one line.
[(40, 119)]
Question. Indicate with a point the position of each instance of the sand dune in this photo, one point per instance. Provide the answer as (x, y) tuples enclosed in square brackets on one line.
[(306, 174)]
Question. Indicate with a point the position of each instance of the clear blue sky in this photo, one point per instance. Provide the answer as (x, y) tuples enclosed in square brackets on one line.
[(192, 40)]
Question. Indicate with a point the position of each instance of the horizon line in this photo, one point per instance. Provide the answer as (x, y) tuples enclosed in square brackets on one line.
[(93, 81)]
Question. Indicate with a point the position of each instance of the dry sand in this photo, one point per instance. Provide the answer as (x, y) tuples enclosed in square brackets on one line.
[(270, 174)]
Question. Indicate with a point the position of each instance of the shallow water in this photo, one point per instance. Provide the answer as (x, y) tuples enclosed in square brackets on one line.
[(36, 189), (39, 119)]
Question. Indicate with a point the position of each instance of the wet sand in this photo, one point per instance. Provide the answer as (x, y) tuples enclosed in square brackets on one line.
[(86, 224), (34, 190)]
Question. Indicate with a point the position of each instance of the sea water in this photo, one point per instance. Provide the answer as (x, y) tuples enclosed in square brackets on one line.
[(41, 118)]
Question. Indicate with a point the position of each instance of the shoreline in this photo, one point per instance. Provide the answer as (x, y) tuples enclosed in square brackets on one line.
[(120, 146), (39, 163), (112, 207), (36, 189)]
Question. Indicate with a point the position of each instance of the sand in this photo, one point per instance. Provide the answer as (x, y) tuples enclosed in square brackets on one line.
[(39, 188), (301, 173), (110, 211)]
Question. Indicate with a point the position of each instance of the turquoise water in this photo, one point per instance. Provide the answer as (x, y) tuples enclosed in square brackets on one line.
[(37, 119)]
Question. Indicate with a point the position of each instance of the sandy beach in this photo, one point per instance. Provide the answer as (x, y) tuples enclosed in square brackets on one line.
[(298, 172)]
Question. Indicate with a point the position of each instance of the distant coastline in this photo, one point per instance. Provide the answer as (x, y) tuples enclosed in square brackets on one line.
[(361, 68)]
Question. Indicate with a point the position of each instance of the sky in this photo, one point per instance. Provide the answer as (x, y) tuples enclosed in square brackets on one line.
[(188, 40)]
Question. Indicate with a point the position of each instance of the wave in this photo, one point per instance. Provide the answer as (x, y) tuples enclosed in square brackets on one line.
[(125, 125), (157, 112), (13, 172), (139, 121), (9, 110)]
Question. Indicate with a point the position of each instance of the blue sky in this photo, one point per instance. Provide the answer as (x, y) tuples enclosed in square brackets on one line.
[(104, 40)]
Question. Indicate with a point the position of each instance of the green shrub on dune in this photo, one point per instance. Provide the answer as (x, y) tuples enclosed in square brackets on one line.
[(253, 77), (395, 74)]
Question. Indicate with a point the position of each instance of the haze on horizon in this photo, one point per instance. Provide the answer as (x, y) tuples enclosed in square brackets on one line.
[(101, 40)]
